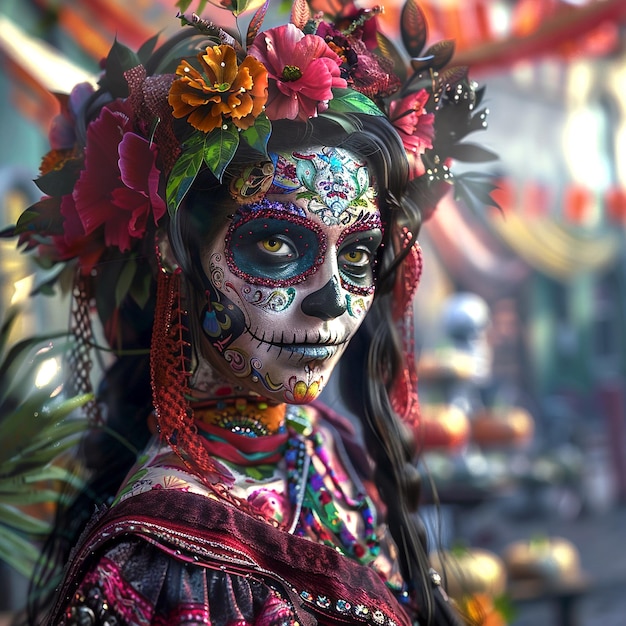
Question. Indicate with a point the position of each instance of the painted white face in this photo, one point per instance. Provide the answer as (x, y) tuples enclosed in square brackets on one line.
[(290, 279)]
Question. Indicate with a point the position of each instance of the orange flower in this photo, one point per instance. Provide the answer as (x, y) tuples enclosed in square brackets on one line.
[(225, 90), (55, 160)]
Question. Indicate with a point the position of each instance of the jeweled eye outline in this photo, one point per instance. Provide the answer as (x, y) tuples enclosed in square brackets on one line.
[(359, 277), (279, 216), (369, 233), (357, 273)]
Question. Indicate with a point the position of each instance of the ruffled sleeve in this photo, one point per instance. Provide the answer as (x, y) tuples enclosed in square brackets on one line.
[(136, 583)]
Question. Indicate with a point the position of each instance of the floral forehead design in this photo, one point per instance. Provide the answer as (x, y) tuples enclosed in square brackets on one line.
[(330, 179), (124, 155), (335, 177)]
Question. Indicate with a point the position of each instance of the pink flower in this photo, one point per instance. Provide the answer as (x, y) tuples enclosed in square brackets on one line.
[(415, 126), (269, 503), (118, 187), (74, 243), (302, 70)]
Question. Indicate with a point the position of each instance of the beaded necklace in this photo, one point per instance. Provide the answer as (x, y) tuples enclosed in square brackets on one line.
[(242, 416), (314, 503), (251, 433)]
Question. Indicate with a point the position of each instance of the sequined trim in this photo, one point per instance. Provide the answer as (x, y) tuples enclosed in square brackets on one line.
[(90, 608), (346, 609)]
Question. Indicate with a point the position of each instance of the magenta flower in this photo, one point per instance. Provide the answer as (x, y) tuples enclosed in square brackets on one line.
[(415, 126), (269, 503), (302, 72), (118, 187)]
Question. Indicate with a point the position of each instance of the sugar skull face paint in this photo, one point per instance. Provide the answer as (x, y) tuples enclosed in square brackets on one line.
[(290, 279)]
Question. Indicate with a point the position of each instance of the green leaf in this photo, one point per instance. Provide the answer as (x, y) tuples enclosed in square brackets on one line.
[(19, 358), (119, 60), (15, 518), (258, 135), (7, 325), (125, 280), (220, 147), (184, 171), (49, 277), (20, 467), (55, 435), (18, 484), (22, 497), (350, 101), (140, 289), (18, 552), (146, 50), (47, 447), (39, 220), (183, 5), (28, 423), (342, 121), (109, 274), (12, 393), (60, 182)]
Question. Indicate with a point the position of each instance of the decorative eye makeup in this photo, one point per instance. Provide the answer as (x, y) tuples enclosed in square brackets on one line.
[(269, 249), (357, 260), (356, 256), (278, 248)]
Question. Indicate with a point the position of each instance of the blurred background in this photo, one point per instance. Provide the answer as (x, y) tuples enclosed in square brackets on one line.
[(520, 318)]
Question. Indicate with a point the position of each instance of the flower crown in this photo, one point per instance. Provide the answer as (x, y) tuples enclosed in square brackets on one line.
[(165, 114)]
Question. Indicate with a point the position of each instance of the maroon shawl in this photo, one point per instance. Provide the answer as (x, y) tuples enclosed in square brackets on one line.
[(321, 585)]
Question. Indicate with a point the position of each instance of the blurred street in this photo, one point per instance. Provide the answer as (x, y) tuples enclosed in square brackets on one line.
[(600, 539), (593, 519)]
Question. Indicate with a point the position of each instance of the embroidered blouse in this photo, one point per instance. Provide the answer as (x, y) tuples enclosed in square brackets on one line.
[(303, 547)]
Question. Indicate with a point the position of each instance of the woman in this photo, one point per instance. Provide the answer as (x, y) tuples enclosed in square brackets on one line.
[(241, 220)]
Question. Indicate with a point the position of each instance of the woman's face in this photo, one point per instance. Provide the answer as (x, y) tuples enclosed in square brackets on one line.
[(290, 278)]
